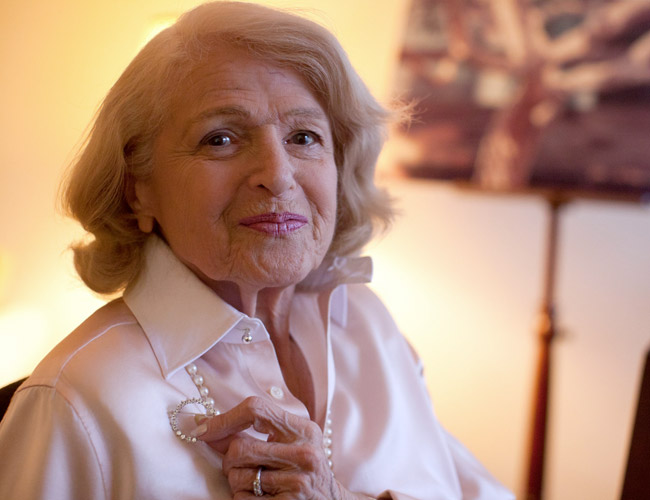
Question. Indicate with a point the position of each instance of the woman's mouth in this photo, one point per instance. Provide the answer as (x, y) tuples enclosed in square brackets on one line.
[(276, 224)]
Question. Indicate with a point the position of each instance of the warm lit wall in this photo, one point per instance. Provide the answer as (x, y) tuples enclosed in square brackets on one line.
[(461, 272)]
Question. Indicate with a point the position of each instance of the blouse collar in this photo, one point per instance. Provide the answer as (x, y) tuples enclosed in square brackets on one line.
[(183, 318)]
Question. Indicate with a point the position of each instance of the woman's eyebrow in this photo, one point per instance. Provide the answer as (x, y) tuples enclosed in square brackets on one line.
[(236, 111), (312, 113)]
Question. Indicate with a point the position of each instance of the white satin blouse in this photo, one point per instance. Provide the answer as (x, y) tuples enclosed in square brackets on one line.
[(92, 422)]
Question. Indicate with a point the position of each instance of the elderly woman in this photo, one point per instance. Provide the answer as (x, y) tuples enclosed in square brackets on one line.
[(228, 186)]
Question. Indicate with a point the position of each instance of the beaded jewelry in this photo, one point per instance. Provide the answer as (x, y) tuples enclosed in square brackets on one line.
[(208, 403), (173, 417), (205, 401)]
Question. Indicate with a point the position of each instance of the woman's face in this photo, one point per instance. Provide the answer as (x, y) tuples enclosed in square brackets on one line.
[(244, 181)]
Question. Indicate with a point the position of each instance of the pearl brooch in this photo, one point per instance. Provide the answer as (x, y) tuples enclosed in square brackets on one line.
[(208, 403), (173, 417), (204, 400)]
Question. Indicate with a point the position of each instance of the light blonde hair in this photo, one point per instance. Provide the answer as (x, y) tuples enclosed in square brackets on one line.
[(119, 145)]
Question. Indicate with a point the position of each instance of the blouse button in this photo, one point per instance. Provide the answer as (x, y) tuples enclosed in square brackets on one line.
[(247, 338), (276, 392)]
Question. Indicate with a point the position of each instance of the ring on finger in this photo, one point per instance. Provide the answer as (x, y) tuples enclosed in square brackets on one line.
[(257, 484)]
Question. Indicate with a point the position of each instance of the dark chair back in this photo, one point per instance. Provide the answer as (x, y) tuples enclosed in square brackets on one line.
[(5, 395), (636, 484)]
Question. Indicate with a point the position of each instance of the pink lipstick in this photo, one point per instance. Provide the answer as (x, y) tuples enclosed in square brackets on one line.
[(276, 224)]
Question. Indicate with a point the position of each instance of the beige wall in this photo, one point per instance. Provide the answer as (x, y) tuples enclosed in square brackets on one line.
[(461, 272)]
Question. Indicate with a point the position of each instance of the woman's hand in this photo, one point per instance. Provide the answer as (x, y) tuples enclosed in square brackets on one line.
[(293, 462)]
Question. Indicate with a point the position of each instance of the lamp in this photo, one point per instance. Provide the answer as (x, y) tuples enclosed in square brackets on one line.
[(547, 98)]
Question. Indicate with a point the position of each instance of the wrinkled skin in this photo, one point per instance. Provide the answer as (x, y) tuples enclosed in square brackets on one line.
[(293, 461), (246, 140)]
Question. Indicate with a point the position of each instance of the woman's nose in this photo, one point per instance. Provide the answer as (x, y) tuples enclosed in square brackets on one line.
[(273, 168)]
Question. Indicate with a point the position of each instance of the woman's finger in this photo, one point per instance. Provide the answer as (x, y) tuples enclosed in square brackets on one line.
[(222, 445), (261, 415), (248, 452), (294, 464), (274, 482)]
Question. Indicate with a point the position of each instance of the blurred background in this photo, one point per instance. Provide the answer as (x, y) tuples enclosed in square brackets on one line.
[(462, 271)]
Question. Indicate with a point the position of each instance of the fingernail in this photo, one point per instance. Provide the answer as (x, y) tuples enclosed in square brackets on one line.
[(199, 431)]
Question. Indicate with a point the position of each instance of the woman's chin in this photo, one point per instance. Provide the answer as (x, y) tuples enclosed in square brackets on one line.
[(270, 267), (280, 276)]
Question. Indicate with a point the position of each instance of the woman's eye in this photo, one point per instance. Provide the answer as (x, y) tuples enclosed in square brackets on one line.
[(218, 140), (303, 138)]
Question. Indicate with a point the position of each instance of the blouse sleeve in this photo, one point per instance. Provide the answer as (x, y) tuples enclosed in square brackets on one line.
[(45, 449), (406, 454), (475, 480)]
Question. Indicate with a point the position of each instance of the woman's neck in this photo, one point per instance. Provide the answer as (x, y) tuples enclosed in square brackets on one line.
[(271, 305)]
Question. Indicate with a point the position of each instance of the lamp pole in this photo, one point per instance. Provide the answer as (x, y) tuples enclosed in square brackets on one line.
[(546, 334)]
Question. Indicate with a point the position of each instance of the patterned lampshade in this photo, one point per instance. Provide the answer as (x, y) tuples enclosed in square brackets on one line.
[(523, 95)]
